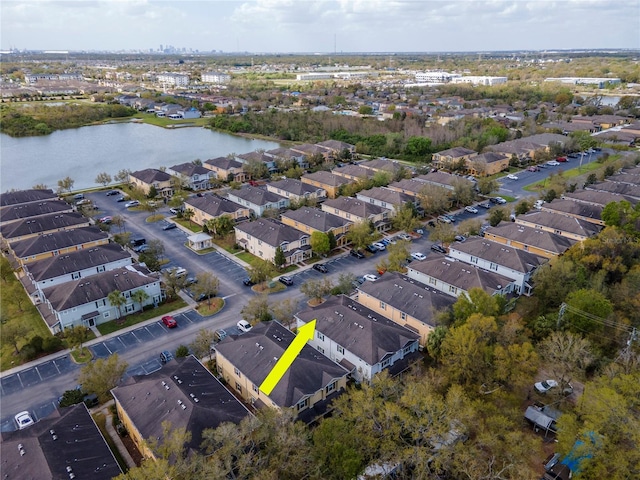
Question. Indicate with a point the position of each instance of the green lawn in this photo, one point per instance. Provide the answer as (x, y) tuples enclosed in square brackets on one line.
[(194, 227), (574, 172), (129, 320), (152, 119), (247, 257)]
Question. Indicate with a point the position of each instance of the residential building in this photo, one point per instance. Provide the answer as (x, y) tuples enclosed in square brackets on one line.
[(57, 243), (263, 236), (539, 242), (569, 227), (85, 301), (518, 265), (216, 77), (582, 211), (453, 156), (152, 177), (66, 444), (457, 278), (357, 211), (20, 197), (258, 157), (338, 149), (173, 79), (257, 199), (309, 220), (383, 165), (309, 386), (75, 265), (386, 198), (309, 150), (41, 225), (410, 186), (405, 301), (287, 155), (360, 340), (444, 180), (488, 163), (226, 169), (183, 393), (296, 191), (593, 197), (328, 181), (480, 80), (21, 211), (354, 173), (193, 176), (211, 206), (625, 189)]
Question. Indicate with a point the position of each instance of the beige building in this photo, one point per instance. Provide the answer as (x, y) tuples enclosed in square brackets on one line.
[(227, 169), (451, 157), (211, 206), (151, 177), (357, 211), (263, 236), (328, 181), (309, 220), (539, 242)]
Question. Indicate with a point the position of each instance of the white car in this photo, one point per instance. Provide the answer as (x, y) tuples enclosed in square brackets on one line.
[(132, 203), (24, 420), (553, 163), (418, 256), (545, 385), (406, 237), (371, 277), (244, 326), (512, 177), (471, 209), (380, 246)]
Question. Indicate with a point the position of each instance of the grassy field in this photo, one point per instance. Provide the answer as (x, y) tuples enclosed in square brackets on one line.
[(205, 310), (129, 320), (574, 172), (151, 119)]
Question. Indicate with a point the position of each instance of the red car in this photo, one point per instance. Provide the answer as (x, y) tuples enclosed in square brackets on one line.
[(561, 159), (169, 321)]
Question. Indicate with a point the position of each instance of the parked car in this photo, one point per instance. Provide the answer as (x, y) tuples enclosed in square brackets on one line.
[(169, 226), (320, 267), (220, 334), (356, 253), (484, 205), (286, 280), (371, 248), (500, 200), (112, 192), (106, 220), (24, 420), (121, 198), (438, 248), (244, 326), (404, 236), (460, 238), (380, 246), (553, 163), (431, 223), (141, 248), (511, 176), (175, 211), (532, 168), (166, 357), (370, 277), (248, 282), (573, 155), (444, 219), (561, 159), (545, 385), (132, 203), (470, 209), (169, 321), (418, 256)]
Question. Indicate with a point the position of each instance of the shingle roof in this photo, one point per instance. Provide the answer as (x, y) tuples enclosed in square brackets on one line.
[(335, 145), (271, 232), (560, 223), (597, 198), (327, 178), (148, 403), (534, 237), (256, 195), (626, 189), (358, 329), (456, 152), (27, 210), (500, 254), (459, 274), (26, 196), (283, 152), (189, 169), (68, 263), (491, 157), (96, 287), (293, 186), (310, 149), (579, 209), (441, 178), (50, 242), (409, 296), (214, 205), (151, 175), (353, 206), (224, 163), (379, 164), (316, 219), (42, 223), (354, 171), (384, 194), (411, 185), (255, 353), (78, 444)]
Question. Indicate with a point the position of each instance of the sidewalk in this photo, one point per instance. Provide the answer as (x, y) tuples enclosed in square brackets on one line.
[(104, 409)]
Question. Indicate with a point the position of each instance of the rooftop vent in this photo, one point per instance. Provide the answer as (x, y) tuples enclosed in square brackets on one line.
[(184, 407), (195, 399)]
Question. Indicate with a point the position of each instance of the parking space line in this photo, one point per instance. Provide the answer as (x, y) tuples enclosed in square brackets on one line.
[(38, 372), (120, 340), (56, 365), (108, 349), (18, 375), (134, 336)]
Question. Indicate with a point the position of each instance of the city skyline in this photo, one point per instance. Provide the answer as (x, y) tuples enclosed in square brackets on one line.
[(283, 26)]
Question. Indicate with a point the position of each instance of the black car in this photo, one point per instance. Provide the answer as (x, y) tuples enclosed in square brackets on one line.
[(357, 253), (431, 223), (286, 280), (320, 267), (438, 248), (169, 226), (112, 192), (121, 198), (494, 200), (247, 282)]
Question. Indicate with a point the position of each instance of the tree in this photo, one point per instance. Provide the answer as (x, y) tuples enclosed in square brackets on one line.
[(71, 397), (201, 345), (442, 232), (284, 310), (418, 147), (566, 354), (486, 185), (182, 351), (320, 243), (360, 235), (398, 255), (103, 179), (76, 336), (207, 284), (256, 169), (221, 225), (118, 221), (316, 289), (139, 296), (345, 284), (102, 375), (174, 283), (463, 191), (116, 299), (261, 271), (122, 176), (279, 259), (65, 184), (594, 303), (434, 199), (188, 214), (405, 218), (470, 226), (498, 215), (256, 309), (475, 301), (333, 243), (13, 333)]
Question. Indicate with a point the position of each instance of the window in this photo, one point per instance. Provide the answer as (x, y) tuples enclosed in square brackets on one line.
[(321, 350), (254, 387), (237, 372), (386, 362), (101, 268), (330, 388), (259, 242), (452, 289), (320, 335), (403, 316), (406, 350), (238, 387), (302, 404), (493, 266), (474, 260), (129, 308), (340, 349), (383, 305), (432, 280), (105, 315)]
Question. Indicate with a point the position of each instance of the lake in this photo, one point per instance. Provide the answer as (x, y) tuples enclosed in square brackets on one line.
[(82, 153)]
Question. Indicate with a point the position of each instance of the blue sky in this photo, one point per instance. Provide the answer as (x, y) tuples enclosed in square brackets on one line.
[(312, 26)]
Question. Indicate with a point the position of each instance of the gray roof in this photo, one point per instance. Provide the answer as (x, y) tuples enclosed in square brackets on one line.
[(285, 153), (456, 152), (380, 164), (316, 219), (384, 194), (410, 186), (190, 169), (597, 198), (335, 145), (354, 171), (78, 444), (585, 210), (256, 352), (500, 254), (630, 176), (560, 223), (358, 329), (26, 196), (353, 206), (50, 242), (68, 263), (255, 156), (256, 195), (151, 175), (224, 163), (214, 205), (626, 189), (271, 231), (310, 149), (446, 180), (409, 296), (327, 178), (42, 223), (27, 210), (96, 287), (460, 274), (293, 186), (535, 237), (148, 403), (490, 157)]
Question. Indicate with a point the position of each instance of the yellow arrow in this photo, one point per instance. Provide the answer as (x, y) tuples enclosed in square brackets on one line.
[(305, 333)]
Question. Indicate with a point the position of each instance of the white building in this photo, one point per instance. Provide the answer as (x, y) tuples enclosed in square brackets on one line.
[(175, 79), (216, 77), (480, 80)]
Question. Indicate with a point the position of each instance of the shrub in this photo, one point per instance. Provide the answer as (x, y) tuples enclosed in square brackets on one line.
[(36, 343), (51, 344)]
